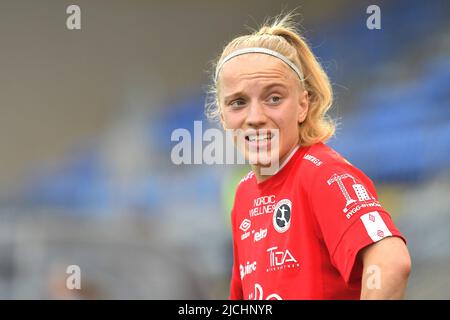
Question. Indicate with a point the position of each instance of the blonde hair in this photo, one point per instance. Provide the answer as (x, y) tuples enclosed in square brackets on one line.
[(281, 36)]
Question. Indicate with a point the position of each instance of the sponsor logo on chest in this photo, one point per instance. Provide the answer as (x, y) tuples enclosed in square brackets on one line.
[(262, 205), (247, 269), (281, 259), (259, 235), (259, 294)]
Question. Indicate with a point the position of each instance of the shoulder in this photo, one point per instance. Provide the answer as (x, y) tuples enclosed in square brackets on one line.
[(249, 176), (244, 183), (322, 155), (319, 157), (242, 192), (322, 162)]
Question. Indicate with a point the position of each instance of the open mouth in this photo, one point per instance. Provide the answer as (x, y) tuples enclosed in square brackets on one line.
[(259, 137)]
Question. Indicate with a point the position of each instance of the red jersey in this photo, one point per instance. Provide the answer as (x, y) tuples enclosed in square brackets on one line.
[(296, 235)]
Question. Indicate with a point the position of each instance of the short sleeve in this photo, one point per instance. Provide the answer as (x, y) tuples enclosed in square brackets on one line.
[(348, 213)]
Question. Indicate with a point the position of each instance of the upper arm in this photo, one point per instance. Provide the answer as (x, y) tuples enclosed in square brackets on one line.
[(389, 252), (386, 269)]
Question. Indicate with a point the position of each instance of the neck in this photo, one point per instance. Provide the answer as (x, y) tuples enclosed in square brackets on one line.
[(257, 168)]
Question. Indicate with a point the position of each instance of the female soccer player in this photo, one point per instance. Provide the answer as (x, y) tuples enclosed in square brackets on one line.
[(314, 228)]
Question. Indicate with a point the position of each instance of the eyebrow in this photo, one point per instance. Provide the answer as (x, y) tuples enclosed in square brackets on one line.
[(266, 87)]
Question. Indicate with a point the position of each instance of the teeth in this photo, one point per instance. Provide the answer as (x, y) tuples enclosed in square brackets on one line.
[(259, 137)]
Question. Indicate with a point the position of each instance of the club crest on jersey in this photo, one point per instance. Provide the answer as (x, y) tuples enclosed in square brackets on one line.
[(282, 215)]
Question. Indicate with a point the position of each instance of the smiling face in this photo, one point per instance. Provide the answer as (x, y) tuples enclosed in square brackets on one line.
[(260, 95)]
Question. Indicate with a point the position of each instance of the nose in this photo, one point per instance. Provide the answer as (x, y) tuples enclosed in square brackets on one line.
[(256, 116)]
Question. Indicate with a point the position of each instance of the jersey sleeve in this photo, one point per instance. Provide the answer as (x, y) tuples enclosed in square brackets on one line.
[(348, 213), (236, 284)]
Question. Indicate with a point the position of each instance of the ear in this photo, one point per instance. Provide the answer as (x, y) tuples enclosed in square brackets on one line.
[(303, 106)]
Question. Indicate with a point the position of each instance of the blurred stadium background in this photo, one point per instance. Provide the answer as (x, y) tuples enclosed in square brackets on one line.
[(86, 118)]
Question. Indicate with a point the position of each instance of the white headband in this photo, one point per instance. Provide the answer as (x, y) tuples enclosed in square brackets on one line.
[(258, 50)]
